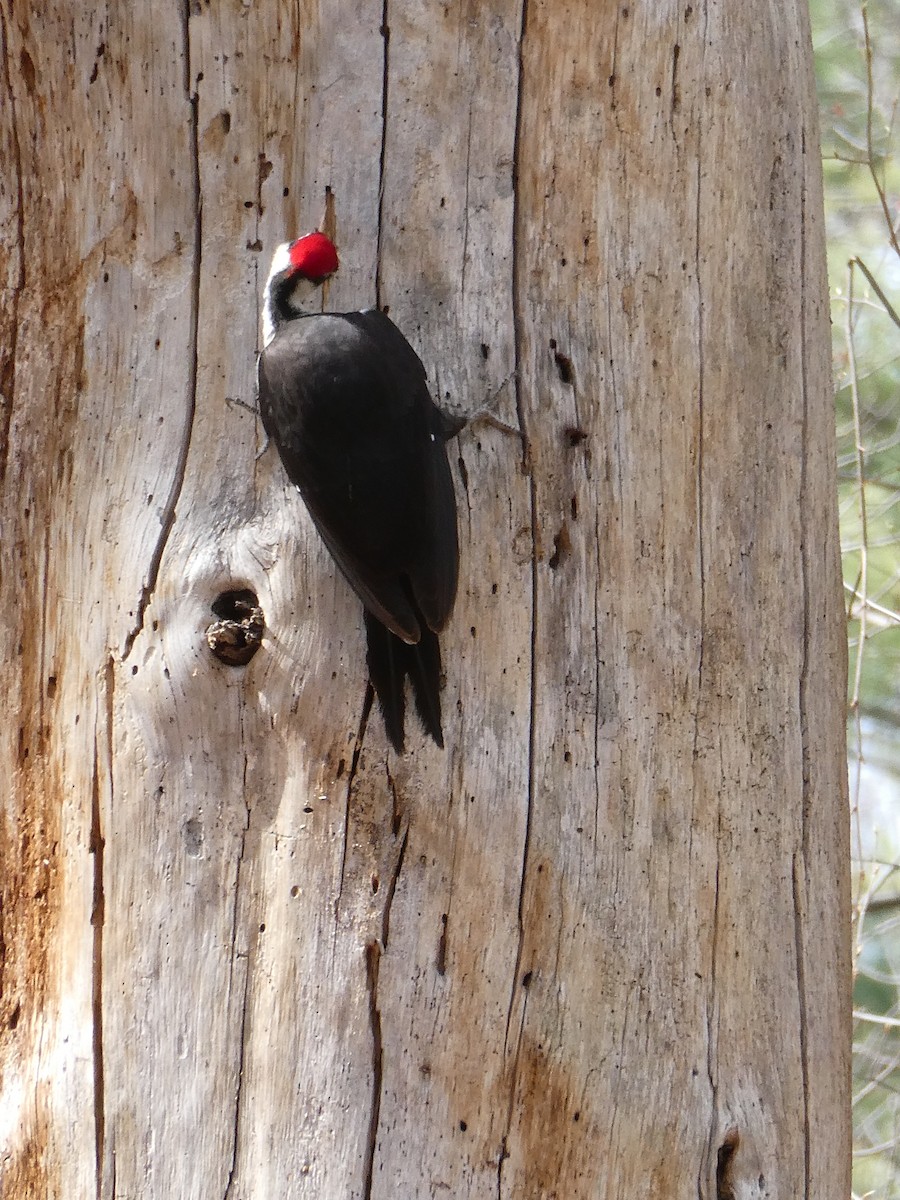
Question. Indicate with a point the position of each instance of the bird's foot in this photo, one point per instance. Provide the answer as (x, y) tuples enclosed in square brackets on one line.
[(239, 403), (455, 422), (236, 401)]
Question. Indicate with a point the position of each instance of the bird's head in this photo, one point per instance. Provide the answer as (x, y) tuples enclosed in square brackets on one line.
[(298, 270)]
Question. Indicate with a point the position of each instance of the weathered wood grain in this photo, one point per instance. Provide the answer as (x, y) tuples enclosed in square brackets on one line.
[(597, 947)]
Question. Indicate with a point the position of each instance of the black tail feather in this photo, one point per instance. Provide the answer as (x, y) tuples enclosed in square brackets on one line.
[(387, 675), (424, 670), (391, 661)]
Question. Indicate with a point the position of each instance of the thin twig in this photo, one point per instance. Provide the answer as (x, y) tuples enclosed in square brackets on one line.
[(888, 613), (876, 1019), (870, 113), (888, 307), (860, 594), (861, 590)]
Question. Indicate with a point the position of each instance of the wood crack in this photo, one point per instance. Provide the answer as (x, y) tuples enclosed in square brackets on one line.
[(96, 847), (597, 686), (613, 102), (374, 951), (617, 410), (695, 750), (674, 94), (391, 890), (513, 1085), (373, 964), (465, 245), (711, 1012), (803, 702), (169, 509), (238, 1096), (701, 372), (382, 158), (8, 365), (711, 1039), (799, 920), (518, 344), (518, 319), (235, 954), (368, 701)]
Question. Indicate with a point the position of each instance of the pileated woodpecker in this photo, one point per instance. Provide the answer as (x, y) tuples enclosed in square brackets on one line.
[(345, 399)]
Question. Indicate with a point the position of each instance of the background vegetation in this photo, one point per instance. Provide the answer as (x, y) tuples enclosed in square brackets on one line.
[(858, 68)]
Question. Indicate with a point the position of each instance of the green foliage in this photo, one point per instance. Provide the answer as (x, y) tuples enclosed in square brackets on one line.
[(858, 72), (876, 1063), (858, 91)]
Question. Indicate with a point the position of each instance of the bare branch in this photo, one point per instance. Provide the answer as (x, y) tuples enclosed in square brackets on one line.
[(870, 112), (888, 307)]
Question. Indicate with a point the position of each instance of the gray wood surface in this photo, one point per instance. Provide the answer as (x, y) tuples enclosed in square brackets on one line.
[(599, 946)]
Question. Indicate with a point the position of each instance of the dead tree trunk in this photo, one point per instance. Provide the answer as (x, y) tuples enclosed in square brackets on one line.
[(597, 947)]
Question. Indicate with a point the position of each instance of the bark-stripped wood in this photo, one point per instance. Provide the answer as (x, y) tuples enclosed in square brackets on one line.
[(596, 948)]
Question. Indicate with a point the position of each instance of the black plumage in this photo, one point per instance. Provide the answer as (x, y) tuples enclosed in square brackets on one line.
[(344, 397)]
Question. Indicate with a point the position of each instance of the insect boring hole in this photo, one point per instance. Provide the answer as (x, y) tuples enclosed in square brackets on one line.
[(725, 1183), (236, 635)]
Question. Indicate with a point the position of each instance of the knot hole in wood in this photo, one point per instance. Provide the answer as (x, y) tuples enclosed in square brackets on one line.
[(237, 634)]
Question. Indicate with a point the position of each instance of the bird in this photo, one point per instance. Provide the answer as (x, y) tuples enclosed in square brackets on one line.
[(344, 398)]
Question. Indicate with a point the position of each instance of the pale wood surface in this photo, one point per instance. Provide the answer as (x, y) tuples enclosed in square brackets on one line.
[(246, 951)]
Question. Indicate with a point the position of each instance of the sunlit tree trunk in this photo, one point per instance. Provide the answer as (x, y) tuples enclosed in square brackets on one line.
[(598, 946)]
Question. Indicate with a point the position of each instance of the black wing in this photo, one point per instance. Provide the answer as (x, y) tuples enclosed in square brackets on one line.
[(345, 399)]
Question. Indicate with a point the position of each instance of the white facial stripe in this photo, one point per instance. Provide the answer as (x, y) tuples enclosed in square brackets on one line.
[(280, 262), (305, 296)]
